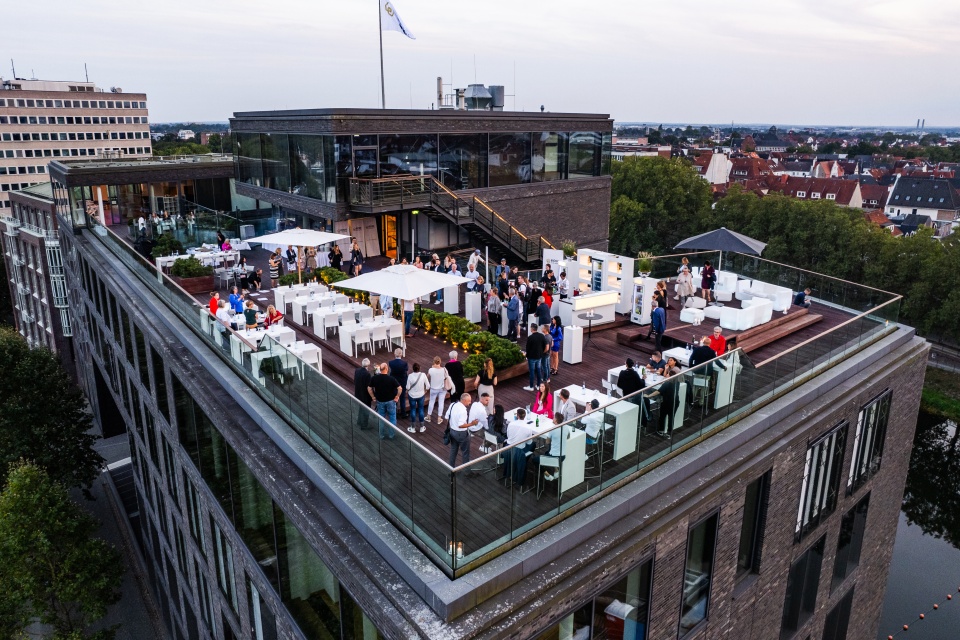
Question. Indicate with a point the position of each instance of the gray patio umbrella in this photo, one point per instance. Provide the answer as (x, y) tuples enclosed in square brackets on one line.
[(723, 239)]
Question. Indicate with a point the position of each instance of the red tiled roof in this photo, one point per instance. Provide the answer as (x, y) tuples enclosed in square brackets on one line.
[(876, 216), (874, 192), (842, 190)]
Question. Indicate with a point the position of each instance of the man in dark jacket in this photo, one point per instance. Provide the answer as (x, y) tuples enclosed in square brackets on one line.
[(361, 382), (536, 348), (658, 322), (399, 370), (629, 381), (543, 312), (455, 369)]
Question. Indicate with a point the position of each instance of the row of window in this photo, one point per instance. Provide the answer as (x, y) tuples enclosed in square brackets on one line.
[(71, 135), (917, 199), (72, 104), (73, 120), (22, 170), (816, 195), (58, 153), (16, 186)]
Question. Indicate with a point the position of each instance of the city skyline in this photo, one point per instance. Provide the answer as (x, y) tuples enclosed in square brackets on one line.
[(810, 63)]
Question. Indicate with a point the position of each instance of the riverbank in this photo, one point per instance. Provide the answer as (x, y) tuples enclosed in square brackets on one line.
[(941, 394)]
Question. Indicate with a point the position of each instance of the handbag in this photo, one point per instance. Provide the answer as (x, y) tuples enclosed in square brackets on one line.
[(447, 382)]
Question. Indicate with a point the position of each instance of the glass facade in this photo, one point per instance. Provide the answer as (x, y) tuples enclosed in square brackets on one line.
[(316, 166)]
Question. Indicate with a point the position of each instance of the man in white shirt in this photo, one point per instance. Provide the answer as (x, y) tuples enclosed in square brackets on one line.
[(475, 259), (460, 425), (558, 438), (515, 460), (563, 286), (471, 277), (478, 413), (593, 422)]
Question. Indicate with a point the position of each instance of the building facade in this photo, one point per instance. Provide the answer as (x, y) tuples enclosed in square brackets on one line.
[(544, 174), (267, 511), (43, 120)]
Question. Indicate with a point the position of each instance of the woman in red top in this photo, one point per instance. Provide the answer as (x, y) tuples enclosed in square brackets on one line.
[(543, 402), (273, 317), (546, 295), (214, 302)]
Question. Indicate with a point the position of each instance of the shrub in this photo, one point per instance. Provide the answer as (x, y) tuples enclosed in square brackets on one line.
[(470, 338), (166, 245), (190, 267)]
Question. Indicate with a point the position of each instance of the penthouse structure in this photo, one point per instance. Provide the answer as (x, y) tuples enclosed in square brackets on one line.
[(766, 509), (43, 120)]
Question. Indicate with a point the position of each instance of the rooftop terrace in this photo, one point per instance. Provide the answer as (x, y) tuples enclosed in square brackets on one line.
[(467, 509)]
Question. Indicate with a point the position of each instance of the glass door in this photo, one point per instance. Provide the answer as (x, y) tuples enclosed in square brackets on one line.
[(388, 236)]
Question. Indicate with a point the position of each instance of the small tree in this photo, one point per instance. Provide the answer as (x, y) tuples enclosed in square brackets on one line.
[(43, 415), (52, 568)]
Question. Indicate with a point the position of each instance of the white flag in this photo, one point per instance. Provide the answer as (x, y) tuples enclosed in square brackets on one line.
[(390, 19)]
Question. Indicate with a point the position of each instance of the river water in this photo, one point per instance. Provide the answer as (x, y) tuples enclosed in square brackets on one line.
[(926, 556)]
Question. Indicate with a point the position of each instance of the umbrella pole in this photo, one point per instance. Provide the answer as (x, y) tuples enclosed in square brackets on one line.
[(720, 262), (300, 267)]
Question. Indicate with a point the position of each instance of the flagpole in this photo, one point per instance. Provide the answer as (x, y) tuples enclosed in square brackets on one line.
[(383, 93)]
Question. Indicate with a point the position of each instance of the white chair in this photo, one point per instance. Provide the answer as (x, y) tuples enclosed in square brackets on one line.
[(361, 337), (692, 311), (366, 315), (378, 334), (223, 276), (395, 332), (547, 462), (340, 299), (330, 321), (326, 303), (308, 310)]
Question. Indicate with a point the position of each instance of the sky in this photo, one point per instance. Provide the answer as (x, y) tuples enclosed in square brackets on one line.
[(840, 62)]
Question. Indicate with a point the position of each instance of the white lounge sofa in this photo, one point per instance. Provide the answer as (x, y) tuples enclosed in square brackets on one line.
[(781, 297), (755, 312)]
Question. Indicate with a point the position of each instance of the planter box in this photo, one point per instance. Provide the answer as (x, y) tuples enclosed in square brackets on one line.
[(504, 374), (202, 284)]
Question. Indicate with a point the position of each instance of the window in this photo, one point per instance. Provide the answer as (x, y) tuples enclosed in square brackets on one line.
[(697, 576), (624, 606), (194, 513), (801, 194), (815, 195), (839, 619), (868, 441), (223, 559), (160, 384), (821, 479), (754, 524), (850, 542), (203, 596), (831, 196), (802, 584), (262, 621)]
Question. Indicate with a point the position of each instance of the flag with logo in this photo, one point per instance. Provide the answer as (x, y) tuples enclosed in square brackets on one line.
[(390, 19)]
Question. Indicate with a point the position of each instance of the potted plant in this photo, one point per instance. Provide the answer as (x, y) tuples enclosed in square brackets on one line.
[(644, 263), (569, 248), (191, 275)]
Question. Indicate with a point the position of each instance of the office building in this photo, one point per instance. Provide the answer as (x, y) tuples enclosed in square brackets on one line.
[(515, 182), (43, 120), (265, 510)]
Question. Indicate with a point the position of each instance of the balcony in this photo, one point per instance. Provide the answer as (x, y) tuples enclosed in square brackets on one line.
[(463, 517)]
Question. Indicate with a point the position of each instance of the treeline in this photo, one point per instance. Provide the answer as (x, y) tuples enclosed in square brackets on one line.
[(657, 202)]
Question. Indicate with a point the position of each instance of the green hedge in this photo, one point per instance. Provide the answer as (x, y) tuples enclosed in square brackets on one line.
[(190, 267), (326, 275), (467, 336), (166, 245)]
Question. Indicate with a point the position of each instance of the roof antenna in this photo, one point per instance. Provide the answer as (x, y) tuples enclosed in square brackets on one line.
[(85, 72), (13, 69)]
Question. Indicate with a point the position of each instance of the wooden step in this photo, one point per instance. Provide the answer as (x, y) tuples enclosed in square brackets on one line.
[(777, 320), (782, 330)]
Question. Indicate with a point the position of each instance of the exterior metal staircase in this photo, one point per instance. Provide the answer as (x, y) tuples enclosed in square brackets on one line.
[(486, 226)]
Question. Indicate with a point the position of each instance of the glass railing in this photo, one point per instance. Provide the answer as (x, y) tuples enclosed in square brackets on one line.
[(463, 517)]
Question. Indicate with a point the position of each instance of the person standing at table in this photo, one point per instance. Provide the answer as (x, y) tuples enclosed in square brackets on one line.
[(563, 286), (455, 370), (669, 402), (385, 390), (472, 277), (460, 424), (361, 386), (214, 302), (718, 343), (236, 300), (486, 382), (250, 315), (545, 358), (399, 370), (291, 259), (225, 319), (503, 285), (543, 312)]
